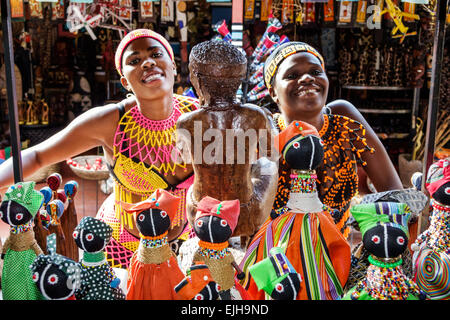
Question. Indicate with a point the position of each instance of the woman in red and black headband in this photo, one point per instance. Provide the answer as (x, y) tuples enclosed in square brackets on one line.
[(137, 138), (295, 76)]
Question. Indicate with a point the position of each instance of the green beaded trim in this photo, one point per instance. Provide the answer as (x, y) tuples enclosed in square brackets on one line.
[(90, 257), (380, 264)]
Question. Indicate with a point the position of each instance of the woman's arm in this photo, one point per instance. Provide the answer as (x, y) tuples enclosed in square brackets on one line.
[(93, 128), (379, 166)]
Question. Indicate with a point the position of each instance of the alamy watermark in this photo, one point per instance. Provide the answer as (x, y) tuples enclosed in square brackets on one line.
[(213, 146)]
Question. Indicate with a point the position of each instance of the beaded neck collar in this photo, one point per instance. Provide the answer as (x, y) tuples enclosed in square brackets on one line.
[(303, 196), (21, 228), (213, 250)]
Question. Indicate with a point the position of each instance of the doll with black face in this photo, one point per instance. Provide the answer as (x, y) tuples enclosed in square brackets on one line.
[(154, 271), (303, 152), (56, 276), (18, 208), (384, 228), (214, 224), (303, 228), (152, 222), (98, 279), (432, 247)]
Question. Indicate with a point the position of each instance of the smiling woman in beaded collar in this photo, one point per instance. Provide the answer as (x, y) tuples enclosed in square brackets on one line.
[(296, 78), (133, 135)]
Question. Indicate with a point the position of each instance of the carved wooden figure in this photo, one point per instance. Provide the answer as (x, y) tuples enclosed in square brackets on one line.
[(226, 168)]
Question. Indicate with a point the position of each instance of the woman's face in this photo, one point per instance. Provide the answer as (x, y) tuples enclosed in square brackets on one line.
[(300, 86), (147, 69)]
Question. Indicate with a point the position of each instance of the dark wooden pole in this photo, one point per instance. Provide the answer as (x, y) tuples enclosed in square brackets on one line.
[(11, 90), (433, 101)]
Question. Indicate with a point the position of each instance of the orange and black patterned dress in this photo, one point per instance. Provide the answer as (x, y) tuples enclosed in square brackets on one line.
[(337, 179)]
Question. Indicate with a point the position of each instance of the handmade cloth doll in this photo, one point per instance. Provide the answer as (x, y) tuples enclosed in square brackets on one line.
[(19, 206), (432, 247), (276, 276), (198, 284), (416, 201), (153, 272), (384, 228), (304, 230), (214, 224), (98, 280), (57, 277)]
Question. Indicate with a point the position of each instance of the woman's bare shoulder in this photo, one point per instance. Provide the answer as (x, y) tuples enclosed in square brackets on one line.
[(345, 108)]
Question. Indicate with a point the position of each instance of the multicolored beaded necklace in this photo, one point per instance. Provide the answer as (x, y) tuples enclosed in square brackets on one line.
[(154, 242), (21, 228), (144, 151), (303, 181), (386, 281), (213, 250), (149, 141)]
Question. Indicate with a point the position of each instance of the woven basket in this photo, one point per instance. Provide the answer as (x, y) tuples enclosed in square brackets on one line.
[(42, 174), (89, 174)]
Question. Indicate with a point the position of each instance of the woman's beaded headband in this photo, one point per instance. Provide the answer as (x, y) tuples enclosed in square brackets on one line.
[(137, 34), (281, 53)]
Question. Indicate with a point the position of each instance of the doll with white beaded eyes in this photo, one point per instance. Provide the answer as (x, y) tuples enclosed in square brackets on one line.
[(384, 228), (56, 276), (214, 224), (154, 271), (98, 279), (20, 205), (303, 230)]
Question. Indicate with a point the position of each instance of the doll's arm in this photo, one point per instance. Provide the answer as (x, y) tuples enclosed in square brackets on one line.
[(37, 250), (240, 275)]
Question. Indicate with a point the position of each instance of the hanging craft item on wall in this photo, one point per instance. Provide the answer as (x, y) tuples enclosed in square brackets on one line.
[(287, 11), (396, 15), (266, 8), (126, 8), (249, 10), (17, 9), (35, 9), (345, 12), (310, 13), (167, 11), (328, 11), (76, 21), (58, 9), (361, 12), (146, 11)]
